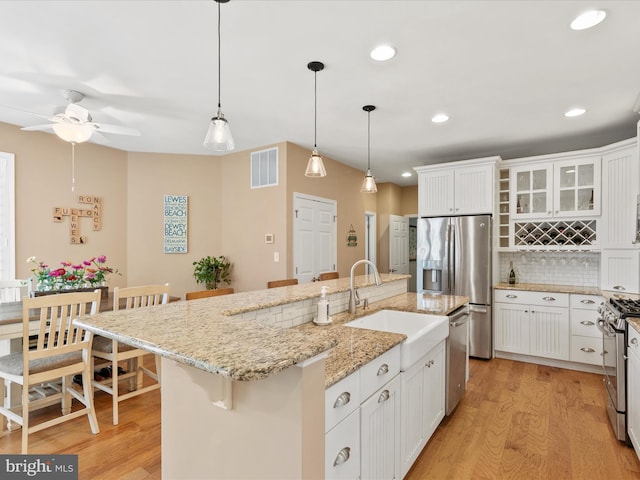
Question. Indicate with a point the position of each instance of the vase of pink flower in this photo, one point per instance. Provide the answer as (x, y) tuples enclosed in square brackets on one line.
[(83, 276)]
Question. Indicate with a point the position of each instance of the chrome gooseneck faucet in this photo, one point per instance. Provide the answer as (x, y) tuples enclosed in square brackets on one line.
[(354, 301)]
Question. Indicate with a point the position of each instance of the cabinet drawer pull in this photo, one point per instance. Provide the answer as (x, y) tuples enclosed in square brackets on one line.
[(429, 363), (342, 457), (588, 323), (384, 369), (587, 349), (342, 400), (619, 287), (549, 299), (511, 295), (587, 301), (384, 396)]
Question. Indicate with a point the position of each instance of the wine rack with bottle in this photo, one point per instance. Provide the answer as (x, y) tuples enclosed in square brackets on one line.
[(503, 205), (580, 234)]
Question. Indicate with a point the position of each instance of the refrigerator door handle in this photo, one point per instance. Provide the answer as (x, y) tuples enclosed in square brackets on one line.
[(451, 253)]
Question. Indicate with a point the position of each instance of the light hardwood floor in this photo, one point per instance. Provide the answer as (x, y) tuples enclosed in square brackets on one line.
[(516, 421)]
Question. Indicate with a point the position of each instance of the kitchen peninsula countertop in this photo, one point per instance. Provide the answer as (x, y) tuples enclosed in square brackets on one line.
[(202, 333), (356, 347)]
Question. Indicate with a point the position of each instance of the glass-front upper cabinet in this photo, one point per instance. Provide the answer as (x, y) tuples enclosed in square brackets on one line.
[(577, 188), (531, 188)]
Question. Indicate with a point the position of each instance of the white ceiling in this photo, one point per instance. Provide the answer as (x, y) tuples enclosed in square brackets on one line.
[(505, 72)]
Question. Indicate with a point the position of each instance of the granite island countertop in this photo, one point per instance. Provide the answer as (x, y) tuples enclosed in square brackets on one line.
[(203, 334), (356, 347)]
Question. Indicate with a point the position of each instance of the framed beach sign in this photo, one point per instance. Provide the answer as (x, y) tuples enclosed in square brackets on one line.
[(175, 223)]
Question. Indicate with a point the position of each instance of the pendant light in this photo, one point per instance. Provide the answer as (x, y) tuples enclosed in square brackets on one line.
[(315, 166), (369, 184), (219, 136)]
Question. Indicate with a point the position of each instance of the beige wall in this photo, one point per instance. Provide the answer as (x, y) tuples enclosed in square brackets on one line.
[(410, 200), (43, 181), (341, 184), (226, 216)]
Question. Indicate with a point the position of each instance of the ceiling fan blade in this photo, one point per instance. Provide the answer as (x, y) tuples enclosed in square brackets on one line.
[(116, 129), (25, 111), (77, 113), (38, 127)]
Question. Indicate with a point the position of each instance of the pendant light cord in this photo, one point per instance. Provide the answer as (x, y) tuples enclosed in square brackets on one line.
[(368, 141), (315, 109), (219, 67)]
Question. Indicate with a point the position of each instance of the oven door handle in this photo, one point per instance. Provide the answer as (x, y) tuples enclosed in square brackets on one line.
[(601, 326)]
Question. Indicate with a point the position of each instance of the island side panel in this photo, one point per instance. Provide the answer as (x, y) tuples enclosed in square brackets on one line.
[(275, 429)]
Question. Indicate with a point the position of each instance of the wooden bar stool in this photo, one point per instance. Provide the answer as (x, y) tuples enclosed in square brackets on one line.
[(282, 283), (208, 293)]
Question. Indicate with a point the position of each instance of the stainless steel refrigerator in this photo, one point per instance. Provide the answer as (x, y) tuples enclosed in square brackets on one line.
[(454, 258)]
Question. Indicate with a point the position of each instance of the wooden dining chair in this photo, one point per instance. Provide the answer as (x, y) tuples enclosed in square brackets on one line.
[(208, 293), (59, 350), (329, 276), (282, 283), (14, 290), (115, 352)]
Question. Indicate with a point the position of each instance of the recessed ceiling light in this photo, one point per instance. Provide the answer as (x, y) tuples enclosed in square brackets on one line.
[(383, 52), (575, 112), (588, 19), (440, 118), (406, 174)]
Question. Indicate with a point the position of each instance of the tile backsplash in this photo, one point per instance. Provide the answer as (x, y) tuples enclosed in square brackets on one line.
[(552, 268)]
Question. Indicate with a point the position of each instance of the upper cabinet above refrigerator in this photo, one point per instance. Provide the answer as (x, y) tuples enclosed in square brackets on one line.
[(464, 189)]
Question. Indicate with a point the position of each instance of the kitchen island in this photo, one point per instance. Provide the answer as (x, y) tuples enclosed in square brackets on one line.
[(244, 399)]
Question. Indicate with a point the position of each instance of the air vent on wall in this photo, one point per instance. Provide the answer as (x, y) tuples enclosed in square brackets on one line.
[(264, 168)]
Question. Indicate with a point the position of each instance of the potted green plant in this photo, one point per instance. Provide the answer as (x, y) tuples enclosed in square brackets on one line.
[(211, 271)]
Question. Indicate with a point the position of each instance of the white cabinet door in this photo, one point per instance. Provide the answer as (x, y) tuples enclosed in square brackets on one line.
[(620, 271), (620, 189), (342, 449), (380, 433), (531, 191), (511, 328), (423, 404), (434, 385), (435, 193), (473, 188), (576, 187), (549, 332), (633, 390)]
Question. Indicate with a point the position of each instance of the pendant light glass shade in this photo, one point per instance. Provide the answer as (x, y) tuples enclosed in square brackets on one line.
[(73, 133), (315, 165), (368, 184), (219, 136)]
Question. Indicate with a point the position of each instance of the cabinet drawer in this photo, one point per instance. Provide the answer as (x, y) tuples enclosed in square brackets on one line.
[(589, 350), (342, 449), (584, 322), (524, 297), (586, 302), (341, 399), (378, 372)]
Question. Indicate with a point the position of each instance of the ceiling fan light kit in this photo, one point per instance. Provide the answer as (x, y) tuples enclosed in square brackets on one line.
[(219, 136), (369, 184), (315, 166)]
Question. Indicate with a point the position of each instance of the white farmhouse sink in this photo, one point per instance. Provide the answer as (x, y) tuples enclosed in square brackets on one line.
[(423, 331)]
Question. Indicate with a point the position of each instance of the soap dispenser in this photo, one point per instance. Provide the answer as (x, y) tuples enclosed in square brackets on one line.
[(323, 307)]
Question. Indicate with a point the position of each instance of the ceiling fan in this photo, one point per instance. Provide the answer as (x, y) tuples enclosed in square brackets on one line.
[(75, 124)]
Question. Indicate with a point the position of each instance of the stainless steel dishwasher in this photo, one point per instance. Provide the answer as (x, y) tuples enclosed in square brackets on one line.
[(457, 344)]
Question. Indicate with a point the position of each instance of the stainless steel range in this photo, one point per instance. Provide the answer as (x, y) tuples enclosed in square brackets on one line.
[(613, 325)]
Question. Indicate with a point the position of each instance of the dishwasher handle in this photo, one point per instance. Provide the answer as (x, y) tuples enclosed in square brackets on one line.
[(459, 317)]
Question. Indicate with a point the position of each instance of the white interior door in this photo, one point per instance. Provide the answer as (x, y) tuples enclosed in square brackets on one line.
[(398, 244), (314, 236)]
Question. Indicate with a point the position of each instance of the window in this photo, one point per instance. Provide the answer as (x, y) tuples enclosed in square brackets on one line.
[(264, 168), (7, 217)]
